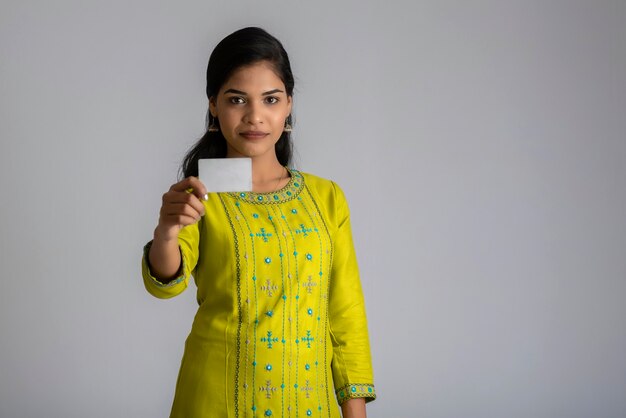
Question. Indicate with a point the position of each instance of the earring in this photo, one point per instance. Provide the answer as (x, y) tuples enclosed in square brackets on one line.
[(287, 127), (213, 126)]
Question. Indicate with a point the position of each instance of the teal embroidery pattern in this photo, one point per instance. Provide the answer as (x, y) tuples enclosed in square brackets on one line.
[(325, 249), (240, 319), (308, 339), (264, 235), (269, 339), (284, 297), (329, 260), (241, 215), (304, 230), (356, 390), (289, 231), (285, 254), (287, 193)]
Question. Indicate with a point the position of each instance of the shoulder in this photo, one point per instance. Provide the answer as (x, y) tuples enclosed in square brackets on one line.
[(316, 182), (323, 187), (327, 192)]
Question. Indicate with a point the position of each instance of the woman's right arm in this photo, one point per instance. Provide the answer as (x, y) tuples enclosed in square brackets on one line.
[(181, 206)]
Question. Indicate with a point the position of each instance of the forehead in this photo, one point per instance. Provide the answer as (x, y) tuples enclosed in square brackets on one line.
[(257, 76)]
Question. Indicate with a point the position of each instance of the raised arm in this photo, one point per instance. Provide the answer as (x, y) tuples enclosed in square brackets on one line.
[(163, 265)]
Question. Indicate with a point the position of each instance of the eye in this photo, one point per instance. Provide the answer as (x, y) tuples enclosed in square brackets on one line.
[(272, 100), (236, 100)]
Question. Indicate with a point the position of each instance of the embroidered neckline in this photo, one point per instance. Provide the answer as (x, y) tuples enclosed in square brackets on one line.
[(291, 190)]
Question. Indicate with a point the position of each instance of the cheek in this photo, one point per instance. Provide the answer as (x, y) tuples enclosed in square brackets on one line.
[(229, 119), (282, 115), (278, 119)]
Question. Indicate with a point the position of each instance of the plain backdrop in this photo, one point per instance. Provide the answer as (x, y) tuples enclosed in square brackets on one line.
[(481, 145)]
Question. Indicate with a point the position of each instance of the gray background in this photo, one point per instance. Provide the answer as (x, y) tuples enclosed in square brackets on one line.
[(481, 146)]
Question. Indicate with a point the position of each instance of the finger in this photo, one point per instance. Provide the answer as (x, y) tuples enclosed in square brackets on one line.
[(178, 219), (198, 187), (183, 185), (180, 209), (184, 198), (191, 185), (172, 209)]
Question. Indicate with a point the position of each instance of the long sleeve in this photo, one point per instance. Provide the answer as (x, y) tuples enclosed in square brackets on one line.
[(351, 363), (188, 239), (281, 319)]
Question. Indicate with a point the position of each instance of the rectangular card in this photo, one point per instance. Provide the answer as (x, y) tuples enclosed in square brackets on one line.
[(226, 174)]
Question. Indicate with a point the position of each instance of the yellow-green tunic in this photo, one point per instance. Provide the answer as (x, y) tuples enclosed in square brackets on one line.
[(281, 329)]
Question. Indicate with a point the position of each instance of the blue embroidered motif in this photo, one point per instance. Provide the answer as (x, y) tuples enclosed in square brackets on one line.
[(308, 339), (303, 230), (269, 339)]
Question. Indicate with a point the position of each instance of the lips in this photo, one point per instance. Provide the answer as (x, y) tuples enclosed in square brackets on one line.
[(253, 134)]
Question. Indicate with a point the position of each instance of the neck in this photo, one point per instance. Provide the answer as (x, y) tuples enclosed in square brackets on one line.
[(268, 174), (266, 170)]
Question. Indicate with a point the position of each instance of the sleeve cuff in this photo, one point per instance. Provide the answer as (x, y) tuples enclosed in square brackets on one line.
[(180, 275), (356, 390)]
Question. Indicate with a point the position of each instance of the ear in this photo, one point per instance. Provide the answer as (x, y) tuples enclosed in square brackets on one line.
[(289, 104), (213, 107)]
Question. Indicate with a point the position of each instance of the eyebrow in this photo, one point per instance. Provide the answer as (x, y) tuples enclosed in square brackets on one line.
[(245, 94)]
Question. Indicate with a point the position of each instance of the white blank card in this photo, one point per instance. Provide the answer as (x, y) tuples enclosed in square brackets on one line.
[(226, 174)]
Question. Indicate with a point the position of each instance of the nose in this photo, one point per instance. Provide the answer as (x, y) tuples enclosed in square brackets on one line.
[(253, 114)]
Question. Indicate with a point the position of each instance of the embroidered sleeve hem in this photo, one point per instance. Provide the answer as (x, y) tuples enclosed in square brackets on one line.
[(356, 390), (180, 275)]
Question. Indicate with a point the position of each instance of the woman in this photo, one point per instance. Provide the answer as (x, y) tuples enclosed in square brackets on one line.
[(281, 327)]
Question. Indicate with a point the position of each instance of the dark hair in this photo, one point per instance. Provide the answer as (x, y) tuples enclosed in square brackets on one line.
[(241, 48)]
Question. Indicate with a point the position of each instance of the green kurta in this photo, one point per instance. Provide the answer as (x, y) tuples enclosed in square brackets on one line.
[(281, 328)]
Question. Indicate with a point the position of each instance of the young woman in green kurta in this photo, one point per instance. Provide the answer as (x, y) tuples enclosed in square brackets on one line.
[(281, 328)]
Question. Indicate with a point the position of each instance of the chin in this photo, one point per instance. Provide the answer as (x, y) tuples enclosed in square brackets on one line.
[(251, 151)]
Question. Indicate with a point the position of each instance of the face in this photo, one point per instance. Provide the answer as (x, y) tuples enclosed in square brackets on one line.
[(251, 107)]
